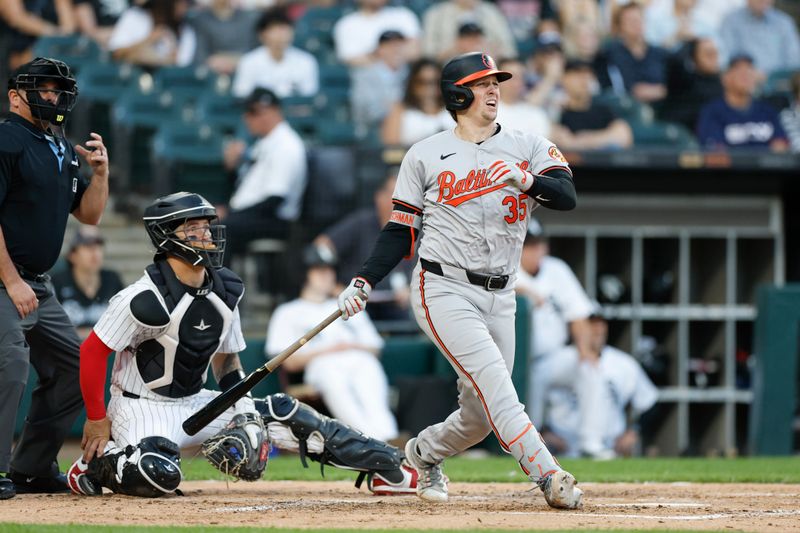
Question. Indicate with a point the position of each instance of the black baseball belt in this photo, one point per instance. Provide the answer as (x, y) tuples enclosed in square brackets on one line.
[(489, 283), (31, 276)]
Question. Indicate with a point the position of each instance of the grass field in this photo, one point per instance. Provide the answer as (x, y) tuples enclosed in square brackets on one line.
[(504, 469)]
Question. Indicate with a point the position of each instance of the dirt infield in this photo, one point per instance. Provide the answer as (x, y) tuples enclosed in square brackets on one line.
[(740, 507)]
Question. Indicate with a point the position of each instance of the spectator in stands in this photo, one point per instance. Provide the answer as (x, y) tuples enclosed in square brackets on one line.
[(585, 124), (764, 33), (96, 18), (737, 120), (790, 117), (276, 64), (85, 287), (567, 12), (470, 38), (671, 24), (616, 381), (642, 67), (270, 176), (356, 34), (715, 11), (341, 362), (421, 113), (154, 34), (516, 112), (224, 33), (582, 43), (442, 21), (524, 17), (351, 241), (30, 20), (379, 85), (547, 68), (560, 308), (693, 79)]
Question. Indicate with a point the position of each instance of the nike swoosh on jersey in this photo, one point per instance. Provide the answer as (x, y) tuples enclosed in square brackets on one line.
[(445, 156)]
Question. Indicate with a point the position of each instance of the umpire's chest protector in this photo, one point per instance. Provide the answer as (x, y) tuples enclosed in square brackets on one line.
[(175, 363)]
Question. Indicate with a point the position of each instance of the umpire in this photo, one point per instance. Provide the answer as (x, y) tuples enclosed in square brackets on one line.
[(40, 185)]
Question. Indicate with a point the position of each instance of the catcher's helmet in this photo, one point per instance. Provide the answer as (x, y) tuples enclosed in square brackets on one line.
[(30, 77), (166, 214), (464, 69)]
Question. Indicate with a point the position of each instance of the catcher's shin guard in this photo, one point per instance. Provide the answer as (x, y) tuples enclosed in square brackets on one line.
[(150, 469), (295, 426)]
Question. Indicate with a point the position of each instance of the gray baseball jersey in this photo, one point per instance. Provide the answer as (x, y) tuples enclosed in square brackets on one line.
[(472, 224), (468, 222)]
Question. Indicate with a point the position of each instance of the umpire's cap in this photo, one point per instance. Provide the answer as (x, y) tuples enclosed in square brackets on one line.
[(262, 96), (460, 71)]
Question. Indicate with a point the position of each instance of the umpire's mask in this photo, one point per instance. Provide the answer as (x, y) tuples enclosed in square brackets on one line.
[(31, 77), (175, 226)]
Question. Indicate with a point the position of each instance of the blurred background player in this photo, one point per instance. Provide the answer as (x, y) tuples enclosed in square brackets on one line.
[(341, 362), (623, 385), (85, 287)]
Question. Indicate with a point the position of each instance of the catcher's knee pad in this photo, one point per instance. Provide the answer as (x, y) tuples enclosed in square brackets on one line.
[(150, 469), (296, 426)]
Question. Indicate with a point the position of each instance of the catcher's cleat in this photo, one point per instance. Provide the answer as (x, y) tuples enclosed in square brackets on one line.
[(380, 486), (560, 491), (79, 481), (432, 483)]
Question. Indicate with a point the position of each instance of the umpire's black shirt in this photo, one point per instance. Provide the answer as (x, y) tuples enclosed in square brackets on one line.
[(37, 192)]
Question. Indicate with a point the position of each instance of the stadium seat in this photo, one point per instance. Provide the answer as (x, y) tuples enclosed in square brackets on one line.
[(135, 118), (186, 84), (223, 112), (301, 114), (74, 50), (336, 75), (331, 186), (100, 84), (780, 81), (662, 135), (333, 132), (626, 107), (188, 157), (320, 20)]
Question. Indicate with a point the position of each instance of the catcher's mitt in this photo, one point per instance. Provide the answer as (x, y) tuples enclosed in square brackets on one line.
[(241, 449)]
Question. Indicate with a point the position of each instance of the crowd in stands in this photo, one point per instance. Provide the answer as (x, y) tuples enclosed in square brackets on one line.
[(674, 60)]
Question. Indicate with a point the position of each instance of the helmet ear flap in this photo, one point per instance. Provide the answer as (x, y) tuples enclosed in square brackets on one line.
[(457, 97)]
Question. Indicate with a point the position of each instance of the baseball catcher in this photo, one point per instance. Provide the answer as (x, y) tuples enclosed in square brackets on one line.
[(167, 328)]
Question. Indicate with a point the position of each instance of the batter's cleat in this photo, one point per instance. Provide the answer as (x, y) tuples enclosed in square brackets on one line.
[(25, 484), (560, 491), (7, 489), (79, 481), (432, 483), (380, 486)]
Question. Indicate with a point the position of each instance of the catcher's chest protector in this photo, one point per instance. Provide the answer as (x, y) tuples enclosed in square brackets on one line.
[(175, 364)]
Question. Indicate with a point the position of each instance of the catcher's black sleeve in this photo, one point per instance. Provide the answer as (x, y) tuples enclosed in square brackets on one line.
[(554, 189), (395, 241)]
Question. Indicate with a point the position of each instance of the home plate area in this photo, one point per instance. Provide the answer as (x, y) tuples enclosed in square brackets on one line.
[(330, 505)]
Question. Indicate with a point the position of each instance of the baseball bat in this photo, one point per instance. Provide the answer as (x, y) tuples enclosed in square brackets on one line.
[(218, 405)]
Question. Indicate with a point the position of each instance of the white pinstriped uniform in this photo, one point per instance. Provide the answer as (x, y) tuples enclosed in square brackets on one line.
[(153, 414), (468, 223)]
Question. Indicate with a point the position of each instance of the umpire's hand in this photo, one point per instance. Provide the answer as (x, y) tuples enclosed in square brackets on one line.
[(96, 434), (22, 295)]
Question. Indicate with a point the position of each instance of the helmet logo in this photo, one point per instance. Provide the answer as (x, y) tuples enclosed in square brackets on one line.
[(488, 61)]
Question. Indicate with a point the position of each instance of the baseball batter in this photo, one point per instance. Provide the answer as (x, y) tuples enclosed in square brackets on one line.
[(180, 318), (470, 190)]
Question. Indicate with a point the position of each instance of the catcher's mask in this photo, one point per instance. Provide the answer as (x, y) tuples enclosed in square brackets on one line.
[(464, 69), (31, 77), (203, 245)]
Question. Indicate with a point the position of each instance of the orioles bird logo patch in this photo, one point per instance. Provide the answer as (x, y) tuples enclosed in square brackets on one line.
[(554, 153), (488, 61)]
